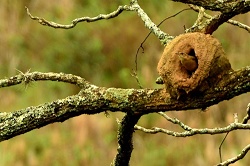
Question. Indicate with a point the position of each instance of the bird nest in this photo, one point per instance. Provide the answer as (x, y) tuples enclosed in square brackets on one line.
[(210, 59)]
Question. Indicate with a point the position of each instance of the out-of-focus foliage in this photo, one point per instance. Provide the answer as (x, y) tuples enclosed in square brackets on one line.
[(103, 53)]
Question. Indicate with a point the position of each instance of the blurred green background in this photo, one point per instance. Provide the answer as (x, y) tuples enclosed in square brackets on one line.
[(103, 53)]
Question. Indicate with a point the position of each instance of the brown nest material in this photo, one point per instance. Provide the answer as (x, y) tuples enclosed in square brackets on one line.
[(210, 58)]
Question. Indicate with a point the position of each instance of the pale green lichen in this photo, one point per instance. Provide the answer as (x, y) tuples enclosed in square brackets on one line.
[(3, 114), (119, 95), (150, 92)]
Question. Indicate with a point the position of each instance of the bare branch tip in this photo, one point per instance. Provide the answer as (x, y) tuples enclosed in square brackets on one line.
[(28, 12)]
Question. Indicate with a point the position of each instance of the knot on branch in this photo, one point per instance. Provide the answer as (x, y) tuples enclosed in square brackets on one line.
[(191, 63)]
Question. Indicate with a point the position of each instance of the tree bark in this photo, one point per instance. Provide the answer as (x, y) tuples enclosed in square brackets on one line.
[(93, 100)]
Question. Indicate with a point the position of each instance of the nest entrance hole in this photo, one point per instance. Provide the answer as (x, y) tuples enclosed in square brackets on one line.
[(192, 53)]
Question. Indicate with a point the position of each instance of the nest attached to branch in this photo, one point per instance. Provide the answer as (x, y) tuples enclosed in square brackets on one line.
[(211, 60)]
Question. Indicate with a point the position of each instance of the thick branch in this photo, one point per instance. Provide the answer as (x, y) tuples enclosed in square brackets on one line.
[(125, 137), (22, 121), (93, 99), (228, 10), (213, 24), (233, 22), (224, 6)]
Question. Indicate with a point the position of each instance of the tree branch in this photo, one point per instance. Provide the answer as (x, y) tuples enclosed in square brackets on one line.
[(213, 24), (224, 6), (236, 158), (22, 121), (125, 139), (232, 22), (228, 10), (93, 99), (162, 36), (134, 102), (27, 77), (45, 22), (134, 6), (192, 131)]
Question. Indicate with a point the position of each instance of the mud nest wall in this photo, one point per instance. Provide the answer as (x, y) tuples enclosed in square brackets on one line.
[(210, 58)]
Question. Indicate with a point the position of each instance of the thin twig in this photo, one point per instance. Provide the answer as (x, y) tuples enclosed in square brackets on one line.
[(141, 45), (28, 77), (221, 146), (245, 120), (45, 22), (247, 117), (149, 24), (194, 131), (175, 121), (236, 158), (134, 74)]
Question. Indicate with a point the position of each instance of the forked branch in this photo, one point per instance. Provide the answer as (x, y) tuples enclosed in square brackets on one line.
[(230, 21), (192, 131)]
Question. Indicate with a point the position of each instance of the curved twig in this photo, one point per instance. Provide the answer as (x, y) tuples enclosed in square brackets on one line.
[(52, 24), (192, 131), (236, 158), (28, 77)]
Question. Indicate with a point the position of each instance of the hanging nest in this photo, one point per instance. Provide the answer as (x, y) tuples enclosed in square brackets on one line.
[(210, 58)]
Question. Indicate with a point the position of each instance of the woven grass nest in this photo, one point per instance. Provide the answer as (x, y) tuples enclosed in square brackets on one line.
[(211, 59)]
